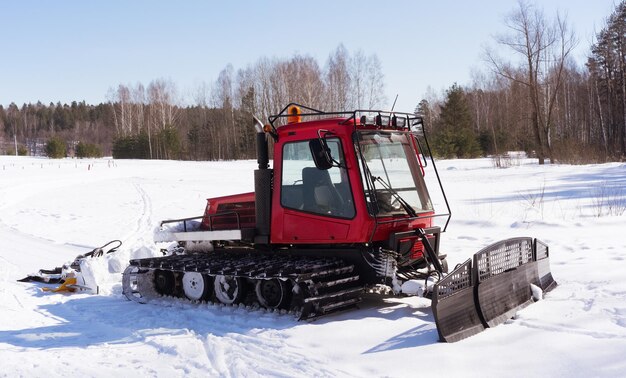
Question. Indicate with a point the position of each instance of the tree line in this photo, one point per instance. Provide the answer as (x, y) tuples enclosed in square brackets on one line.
[(539, 100), (149, 121), (542, 103)]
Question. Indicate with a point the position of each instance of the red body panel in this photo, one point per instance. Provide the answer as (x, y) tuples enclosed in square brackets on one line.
[(220, 212)]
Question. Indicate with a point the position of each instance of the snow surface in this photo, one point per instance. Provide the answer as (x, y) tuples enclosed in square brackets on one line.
[(53, 210)]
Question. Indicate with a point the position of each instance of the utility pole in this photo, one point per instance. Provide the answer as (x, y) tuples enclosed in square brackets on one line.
[(15, 140)]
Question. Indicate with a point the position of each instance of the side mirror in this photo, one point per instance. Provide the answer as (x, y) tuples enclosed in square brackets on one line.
[(321, 153)]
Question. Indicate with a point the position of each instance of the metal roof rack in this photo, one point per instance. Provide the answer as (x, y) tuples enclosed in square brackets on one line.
[(361, 117)]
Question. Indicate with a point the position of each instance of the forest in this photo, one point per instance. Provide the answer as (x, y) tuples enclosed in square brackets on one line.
[(542, 102)]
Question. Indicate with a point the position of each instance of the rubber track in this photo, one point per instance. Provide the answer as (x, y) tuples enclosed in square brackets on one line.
[(324, 284)]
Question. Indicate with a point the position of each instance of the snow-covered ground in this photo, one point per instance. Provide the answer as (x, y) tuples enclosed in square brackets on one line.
[(53, 210)]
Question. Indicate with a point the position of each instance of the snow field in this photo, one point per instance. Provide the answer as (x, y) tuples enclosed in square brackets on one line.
[(51, 211)]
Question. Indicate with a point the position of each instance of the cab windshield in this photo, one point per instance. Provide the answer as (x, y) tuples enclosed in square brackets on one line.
[(391, 172)]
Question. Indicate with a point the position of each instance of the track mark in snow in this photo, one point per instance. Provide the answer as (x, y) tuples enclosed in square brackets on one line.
[(142, 230), (18, 300), (267, 353), (561, 328), (196, 339), (215, 353), (145, 219), (245, 342), (584, 308)]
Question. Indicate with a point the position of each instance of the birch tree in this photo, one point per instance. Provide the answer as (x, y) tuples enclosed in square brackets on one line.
[(544, 47)]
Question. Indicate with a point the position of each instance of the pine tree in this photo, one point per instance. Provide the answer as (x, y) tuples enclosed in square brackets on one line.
[(55, 148), (454, 136)]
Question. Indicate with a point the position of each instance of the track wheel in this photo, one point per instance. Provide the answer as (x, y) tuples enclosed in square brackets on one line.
[(273, 293), (164, 282), (229, 289), (196, 286)]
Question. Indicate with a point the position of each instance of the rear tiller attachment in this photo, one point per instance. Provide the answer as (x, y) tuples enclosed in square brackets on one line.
[(490, 288)]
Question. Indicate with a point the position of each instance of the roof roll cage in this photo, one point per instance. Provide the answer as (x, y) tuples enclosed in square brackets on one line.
[(382, 119)]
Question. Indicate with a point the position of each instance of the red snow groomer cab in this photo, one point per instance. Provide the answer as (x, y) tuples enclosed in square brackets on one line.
[(344, 208)]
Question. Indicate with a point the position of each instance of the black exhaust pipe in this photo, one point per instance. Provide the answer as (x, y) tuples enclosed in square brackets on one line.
[(262, 151), (262, 186)]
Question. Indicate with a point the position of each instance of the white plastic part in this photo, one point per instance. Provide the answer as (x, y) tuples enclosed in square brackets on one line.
[(193, 285), (207, 235), (227, 289)]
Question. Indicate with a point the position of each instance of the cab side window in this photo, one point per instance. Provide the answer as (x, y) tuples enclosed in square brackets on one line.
[(306, 188)]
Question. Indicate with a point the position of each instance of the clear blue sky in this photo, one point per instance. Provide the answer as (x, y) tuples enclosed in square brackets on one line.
[(76, 50)]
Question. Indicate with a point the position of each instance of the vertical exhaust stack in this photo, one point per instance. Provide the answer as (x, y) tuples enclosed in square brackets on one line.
[(262, 152), (262, 186)]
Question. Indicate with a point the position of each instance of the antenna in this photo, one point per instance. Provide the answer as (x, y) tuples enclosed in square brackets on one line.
[(394, 103)]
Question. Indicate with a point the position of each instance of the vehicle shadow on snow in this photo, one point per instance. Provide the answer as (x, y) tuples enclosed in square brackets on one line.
[(419, 336), (93, 320), (394, 308), (423, 334)]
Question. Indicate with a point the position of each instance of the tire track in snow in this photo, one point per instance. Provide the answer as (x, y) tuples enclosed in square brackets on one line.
[(215, 354), (263, 352), (589, 307), (234, 340), (145, 220), (562, 328), (143, 226), (230, 343), (254, 343)]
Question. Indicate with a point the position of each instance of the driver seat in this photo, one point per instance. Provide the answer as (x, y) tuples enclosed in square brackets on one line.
[(319, 193)]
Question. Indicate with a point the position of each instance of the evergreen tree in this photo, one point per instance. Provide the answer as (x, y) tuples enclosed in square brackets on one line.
[(425, 110), (55, 148), (454, 136), (88, 150)]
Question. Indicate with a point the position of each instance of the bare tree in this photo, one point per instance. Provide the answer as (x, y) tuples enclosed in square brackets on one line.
[(163, 98), (544, 47), (366, 88), (358, 78), (263, 89), (120, 100), (304, 81), (375, 83), (13, 118), (163, 102), (223, 94), (338, 79)]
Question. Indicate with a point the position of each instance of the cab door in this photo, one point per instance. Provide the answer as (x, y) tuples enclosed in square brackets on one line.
[(314, 205)]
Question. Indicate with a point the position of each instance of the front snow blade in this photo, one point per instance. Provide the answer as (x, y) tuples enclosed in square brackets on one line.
[(453, 305), (541, 255), (500, 276), (504, 272)]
